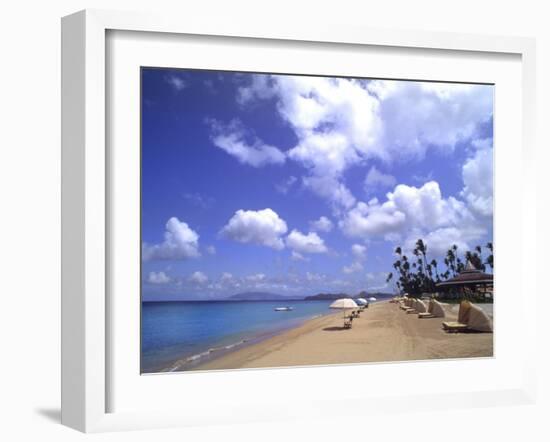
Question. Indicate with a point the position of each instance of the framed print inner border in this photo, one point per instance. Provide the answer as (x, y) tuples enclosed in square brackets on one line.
[(87, 204)]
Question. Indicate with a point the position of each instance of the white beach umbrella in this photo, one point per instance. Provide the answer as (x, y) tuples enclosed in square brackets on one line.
[(344, 304), (372, 298), (361, 301)]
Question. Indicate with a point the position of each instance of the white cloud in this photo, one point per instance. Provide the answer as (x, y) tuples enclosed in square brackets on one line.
[(248, 149), (410, 213), (323, 224), (180, 242), (176, 82), (376, 180), (359, 252), (406, 208), (341, 123), (158, 278), (418, 115), (262, 227), (301, 243), (353, 268), (198, 278), (441, 240), (366, 220), (477, 174)]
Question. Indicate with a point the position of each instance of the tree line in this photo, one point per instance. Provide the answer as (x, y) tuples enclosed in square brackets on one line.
[(418, 274)]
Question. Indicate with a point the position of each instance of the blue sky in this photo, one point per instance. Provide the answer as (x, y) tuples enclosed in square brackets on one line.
[(297, 185)]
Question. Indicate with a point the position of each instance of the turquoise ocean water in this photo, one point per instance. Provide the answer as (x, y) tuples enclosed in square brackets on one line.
[(191, 332)]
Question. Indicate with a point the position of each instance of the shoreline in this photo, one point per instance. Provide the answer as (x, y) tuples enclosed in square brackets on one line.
[(383, 333), (195, 361)]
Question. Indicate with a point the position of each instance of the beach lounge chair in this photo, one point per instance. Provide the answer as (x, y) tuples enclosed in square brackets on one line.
[(413, 303), (429, 313), (478, 320), (462, 323), (471, 317), (348, 321), (406, 304), (435, 310), (419, 307)]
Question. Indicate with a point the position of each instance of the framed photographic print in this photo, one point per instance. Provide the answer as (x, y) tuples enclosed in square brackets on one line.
[(251, 215), (276, 208)]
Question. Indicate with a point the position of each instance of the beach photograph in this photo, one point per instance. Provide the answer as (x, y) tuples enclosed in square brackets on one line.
[(305, 220)]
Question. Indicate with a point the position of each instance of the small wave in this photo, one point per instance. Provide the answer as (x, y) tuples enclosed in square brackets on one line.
[(230, 346), (198, 356)]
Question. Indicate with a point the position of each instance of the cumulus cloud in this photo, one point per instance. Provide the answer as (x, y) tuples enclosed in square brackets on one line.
[(323, 224), (419, 115), (378, 180), (477, 174), (158, 278), (301, 243), (180, 242), (261, 227), (245, 147), (341, 123), (366, 220), (198, 278), (407, 207), (412, 212)]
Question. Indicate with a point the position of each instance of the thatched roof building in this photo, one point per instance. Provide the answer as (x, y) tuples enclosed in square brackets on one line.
[(469, 277)]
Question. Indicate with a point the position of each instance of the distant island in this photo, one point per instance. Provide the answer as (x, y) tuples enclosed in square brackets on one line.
[(326, 297), (334, 296), (264, 296), (274, 297)]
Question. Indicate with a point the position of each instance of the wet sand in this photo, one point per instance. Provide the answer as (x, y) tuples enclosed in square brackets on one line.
[(382, 333)]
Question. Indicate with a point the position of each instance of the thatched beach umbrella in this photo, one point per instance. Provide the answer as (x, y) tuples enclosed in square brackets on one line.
[(344, 304)]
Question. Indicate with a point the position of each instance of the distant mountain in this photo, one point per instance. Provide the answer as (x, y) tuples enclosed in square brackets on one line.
[(326, 296), (333, 296), (381, 295), (260, 296)]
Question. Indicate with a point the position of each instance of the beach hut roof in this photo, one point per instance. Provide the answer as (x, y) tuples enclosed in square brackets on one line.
[(469, 276)]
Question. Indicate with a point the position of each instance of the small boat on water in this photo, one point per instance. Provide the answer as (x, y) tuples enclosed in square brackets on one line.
[(283, 309)]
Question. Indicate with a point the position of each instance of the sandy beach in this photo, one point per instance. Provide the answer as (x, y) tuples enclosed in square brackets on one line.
[(382, 333)]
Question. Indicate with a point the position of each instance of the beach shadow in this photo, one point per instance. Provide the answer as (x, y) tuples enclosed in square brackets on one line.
[(335, 328), (51, 414)]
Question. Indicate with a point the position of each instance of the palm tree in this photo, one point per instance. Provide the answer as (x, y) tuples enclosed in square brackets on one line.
[(434, 265), (489, 259)]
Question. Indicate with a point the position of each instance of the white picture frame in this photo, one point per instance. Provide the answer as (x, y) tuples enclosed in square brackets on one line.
[(86, 200)]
